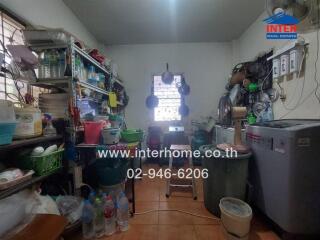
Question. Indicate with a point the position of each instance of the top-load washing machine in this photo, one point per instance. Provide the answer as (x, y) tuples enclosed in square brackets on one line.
[(285, 173)]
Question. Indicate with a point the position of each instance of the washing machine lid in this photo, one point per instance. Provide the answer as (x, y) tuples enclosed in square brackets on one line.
[(287, 123)]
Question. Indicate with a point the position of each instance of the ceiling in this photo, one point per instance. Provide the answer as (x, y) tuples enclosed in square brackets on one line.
[(166, 21)]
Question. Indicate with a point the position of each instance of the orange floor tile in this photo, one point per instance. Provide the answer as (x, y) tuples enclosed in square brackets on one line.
[(150, 195)]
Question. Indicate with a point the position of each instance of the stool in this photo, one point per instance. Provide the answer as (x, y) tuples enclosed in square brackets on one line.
[(193, 183)]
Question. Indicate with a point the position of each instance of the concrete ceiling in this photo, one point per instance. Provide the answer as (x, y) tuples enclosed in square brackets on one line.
[(166, 21)]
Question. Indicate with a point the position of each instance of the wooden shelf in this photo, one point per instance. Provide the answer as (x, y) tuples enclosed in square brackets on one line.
[(21, 186), (26, 142)]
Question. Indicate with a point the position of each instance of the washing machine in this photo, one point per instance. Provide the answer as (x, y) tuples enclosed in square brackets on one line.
[(285, 173)]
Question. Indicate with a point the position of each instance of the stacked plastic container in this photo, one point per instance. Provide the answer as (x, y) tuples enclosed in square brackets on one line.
[(7, 122)]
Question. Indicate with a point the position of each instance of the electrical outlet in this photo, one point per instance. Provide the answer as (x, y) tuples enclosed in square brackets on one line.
[(275, 68), (284, 65)]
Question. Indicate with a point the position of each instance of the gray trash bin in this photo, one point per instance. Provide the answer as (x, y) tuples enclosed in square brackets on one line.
[(227, 177)]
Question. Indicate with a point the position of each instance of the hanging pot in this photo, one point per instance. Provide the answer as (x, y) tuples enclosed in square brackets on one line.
[(167, 77), (183, 109), (152, 101)]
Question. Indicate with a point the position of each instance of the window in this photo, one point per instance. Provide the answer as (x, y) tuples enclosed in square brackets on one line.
[(169, 99), (10, 33)]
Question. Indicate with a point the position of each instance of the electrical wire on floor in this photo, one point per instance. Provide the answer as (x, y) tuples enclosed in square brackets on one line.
[(180, 211)]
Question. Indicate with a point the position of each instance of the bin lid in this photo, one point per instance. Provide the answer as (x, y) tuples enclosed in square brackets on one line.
[(235, 207)]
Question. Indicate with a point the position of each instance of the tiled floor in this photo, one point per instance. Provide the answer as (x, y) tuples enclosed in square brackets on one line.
[(150, 195)]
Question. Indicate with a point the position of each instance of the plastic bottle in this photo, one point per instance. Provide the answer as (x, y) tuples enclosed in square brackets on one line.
[(123, 212), (99, 223), (92, 79), (41, 69), (109, 216), (62, 63), (46, 63), (77, 64), (53, 63), (88, 221), (92, 197), (49, 130)]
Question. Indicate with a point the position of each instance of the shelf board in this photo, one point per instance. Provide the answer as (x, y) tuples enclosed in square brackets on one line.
[(21, 186), (90, 59), (26, 142), (92, 87), (84, 145), (116, 80)]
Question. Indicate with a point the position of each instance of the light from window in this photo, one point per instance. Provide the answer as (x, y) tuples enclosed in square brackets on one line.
[(10, 33), (169, 99)]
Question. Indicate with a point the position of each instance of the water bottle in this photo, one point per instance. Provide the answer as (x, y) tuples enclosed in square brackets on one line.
[(88, 221), (62, 63), (52, 63), (123, 212), (92, 197), (49, 130), (41, 71), (46, 64), (77, 64), (109, 216), (99, 224)]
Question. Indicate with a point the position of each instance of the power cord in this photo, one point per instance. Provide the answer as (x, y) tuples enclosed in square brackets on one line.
[(180, 211)]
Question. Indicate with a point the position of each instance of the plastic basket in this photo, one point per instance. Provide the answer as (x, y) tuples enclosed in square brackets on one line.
[(132, 135), (6, 132), (43, 165)]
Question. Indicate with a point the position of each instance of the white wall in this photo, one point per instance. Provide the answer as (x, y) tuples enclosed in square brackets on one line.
[(253, 41), (51, 13), (206, 67)]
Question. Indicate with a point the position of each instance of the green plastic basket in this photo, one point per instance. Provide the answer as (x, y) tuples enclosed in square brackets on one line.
[(43, 165), (132, 135)]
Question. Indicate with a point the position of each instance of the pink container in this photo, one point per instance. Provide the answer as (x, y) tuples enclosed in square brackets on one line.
[(92, 132)]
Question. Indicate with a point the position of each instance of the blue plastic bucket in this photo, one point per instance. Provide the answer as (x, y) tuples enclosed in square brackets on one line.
[(6, 132)]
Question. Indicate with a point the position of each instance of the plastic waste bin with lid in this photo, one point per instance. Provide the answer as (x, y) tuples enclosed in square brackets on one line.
[(227, 177), (236, 217)]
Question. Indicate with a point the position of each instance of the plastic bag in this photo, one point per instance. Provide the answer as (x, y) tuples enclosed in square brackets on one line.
[(70, 207), (45, 205), (14, 210)]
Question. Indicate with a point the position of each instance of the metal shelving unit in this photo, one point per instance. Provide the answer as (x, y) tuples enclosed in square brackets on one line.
[(73, 84)]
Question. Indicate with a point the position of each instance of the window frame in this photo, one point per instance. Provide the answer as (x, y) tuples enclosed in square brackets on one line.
[(12, 21), (181, 100)]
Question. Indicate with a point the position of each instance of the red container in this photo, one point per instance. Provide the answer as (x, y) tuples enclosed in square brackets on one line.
[(92, 132)]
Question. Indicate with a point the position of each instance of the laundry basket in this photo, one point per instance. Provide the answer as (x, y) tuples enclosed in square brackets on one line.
[(236, 217)]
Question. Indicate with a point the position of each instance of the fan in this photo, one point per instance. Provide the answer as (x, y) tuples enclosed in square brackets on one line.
[(306, 11), (229, 113)]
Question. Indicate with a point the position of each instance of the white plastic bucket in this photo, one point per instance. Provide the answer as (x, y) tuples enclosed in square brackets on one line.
[(29, 122), (236, 218), (111, 135)]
